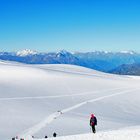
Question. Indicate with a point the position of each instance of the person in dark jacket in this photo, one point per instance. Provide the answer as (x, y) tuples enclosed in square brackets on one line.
[(93, 122), (54, 134)]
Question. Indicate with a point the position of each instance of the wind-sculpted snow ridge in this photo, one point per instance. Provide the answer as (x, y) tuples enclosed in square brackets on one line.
[(110, 135)]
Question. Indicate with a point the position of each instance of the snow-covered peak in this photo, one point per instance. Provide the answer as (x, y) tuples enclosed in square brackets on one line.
[(63, 53), (26, 52), (128, 52), (103, 52), (108, 52)]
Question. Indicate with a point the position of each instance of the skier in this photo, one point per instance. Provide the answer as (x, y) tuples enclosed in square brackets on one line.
[(54, 134), (46, 137), (93, 122)]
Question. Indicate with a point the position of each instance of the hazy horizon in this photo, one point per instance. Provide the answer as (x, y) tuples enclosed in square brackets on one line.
[(106, 51)]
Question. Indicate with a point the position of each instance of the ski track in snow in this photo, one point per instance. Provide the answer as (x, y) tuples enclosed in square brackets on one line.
[(55, 115), (59, 96)]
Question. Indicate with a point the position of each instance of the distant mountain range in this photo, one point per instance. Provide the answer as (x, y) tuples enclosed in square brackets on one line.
[(114, 62), (127, 69)]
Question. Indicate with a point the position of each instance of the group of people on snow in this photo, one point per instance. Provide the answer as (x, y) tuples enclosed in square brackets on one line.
[(54, 135), (93, 123)]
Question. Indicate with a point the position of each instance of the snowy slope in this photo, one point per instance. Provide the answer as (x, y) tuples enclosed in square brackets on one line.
[(125, 134), (31, 96)]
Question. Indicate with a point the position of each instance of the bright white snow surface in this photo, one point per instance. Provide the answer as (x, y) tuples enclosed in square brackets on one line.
[(32, 96), (110, 135)]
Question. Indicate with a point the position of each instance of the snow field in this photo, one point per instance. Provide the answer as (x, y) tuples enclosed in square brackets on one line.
[(31, 95)]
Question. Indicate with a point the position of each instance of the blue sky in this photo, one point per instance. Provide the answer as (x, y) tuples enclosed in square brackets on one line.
[(74, 25)]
